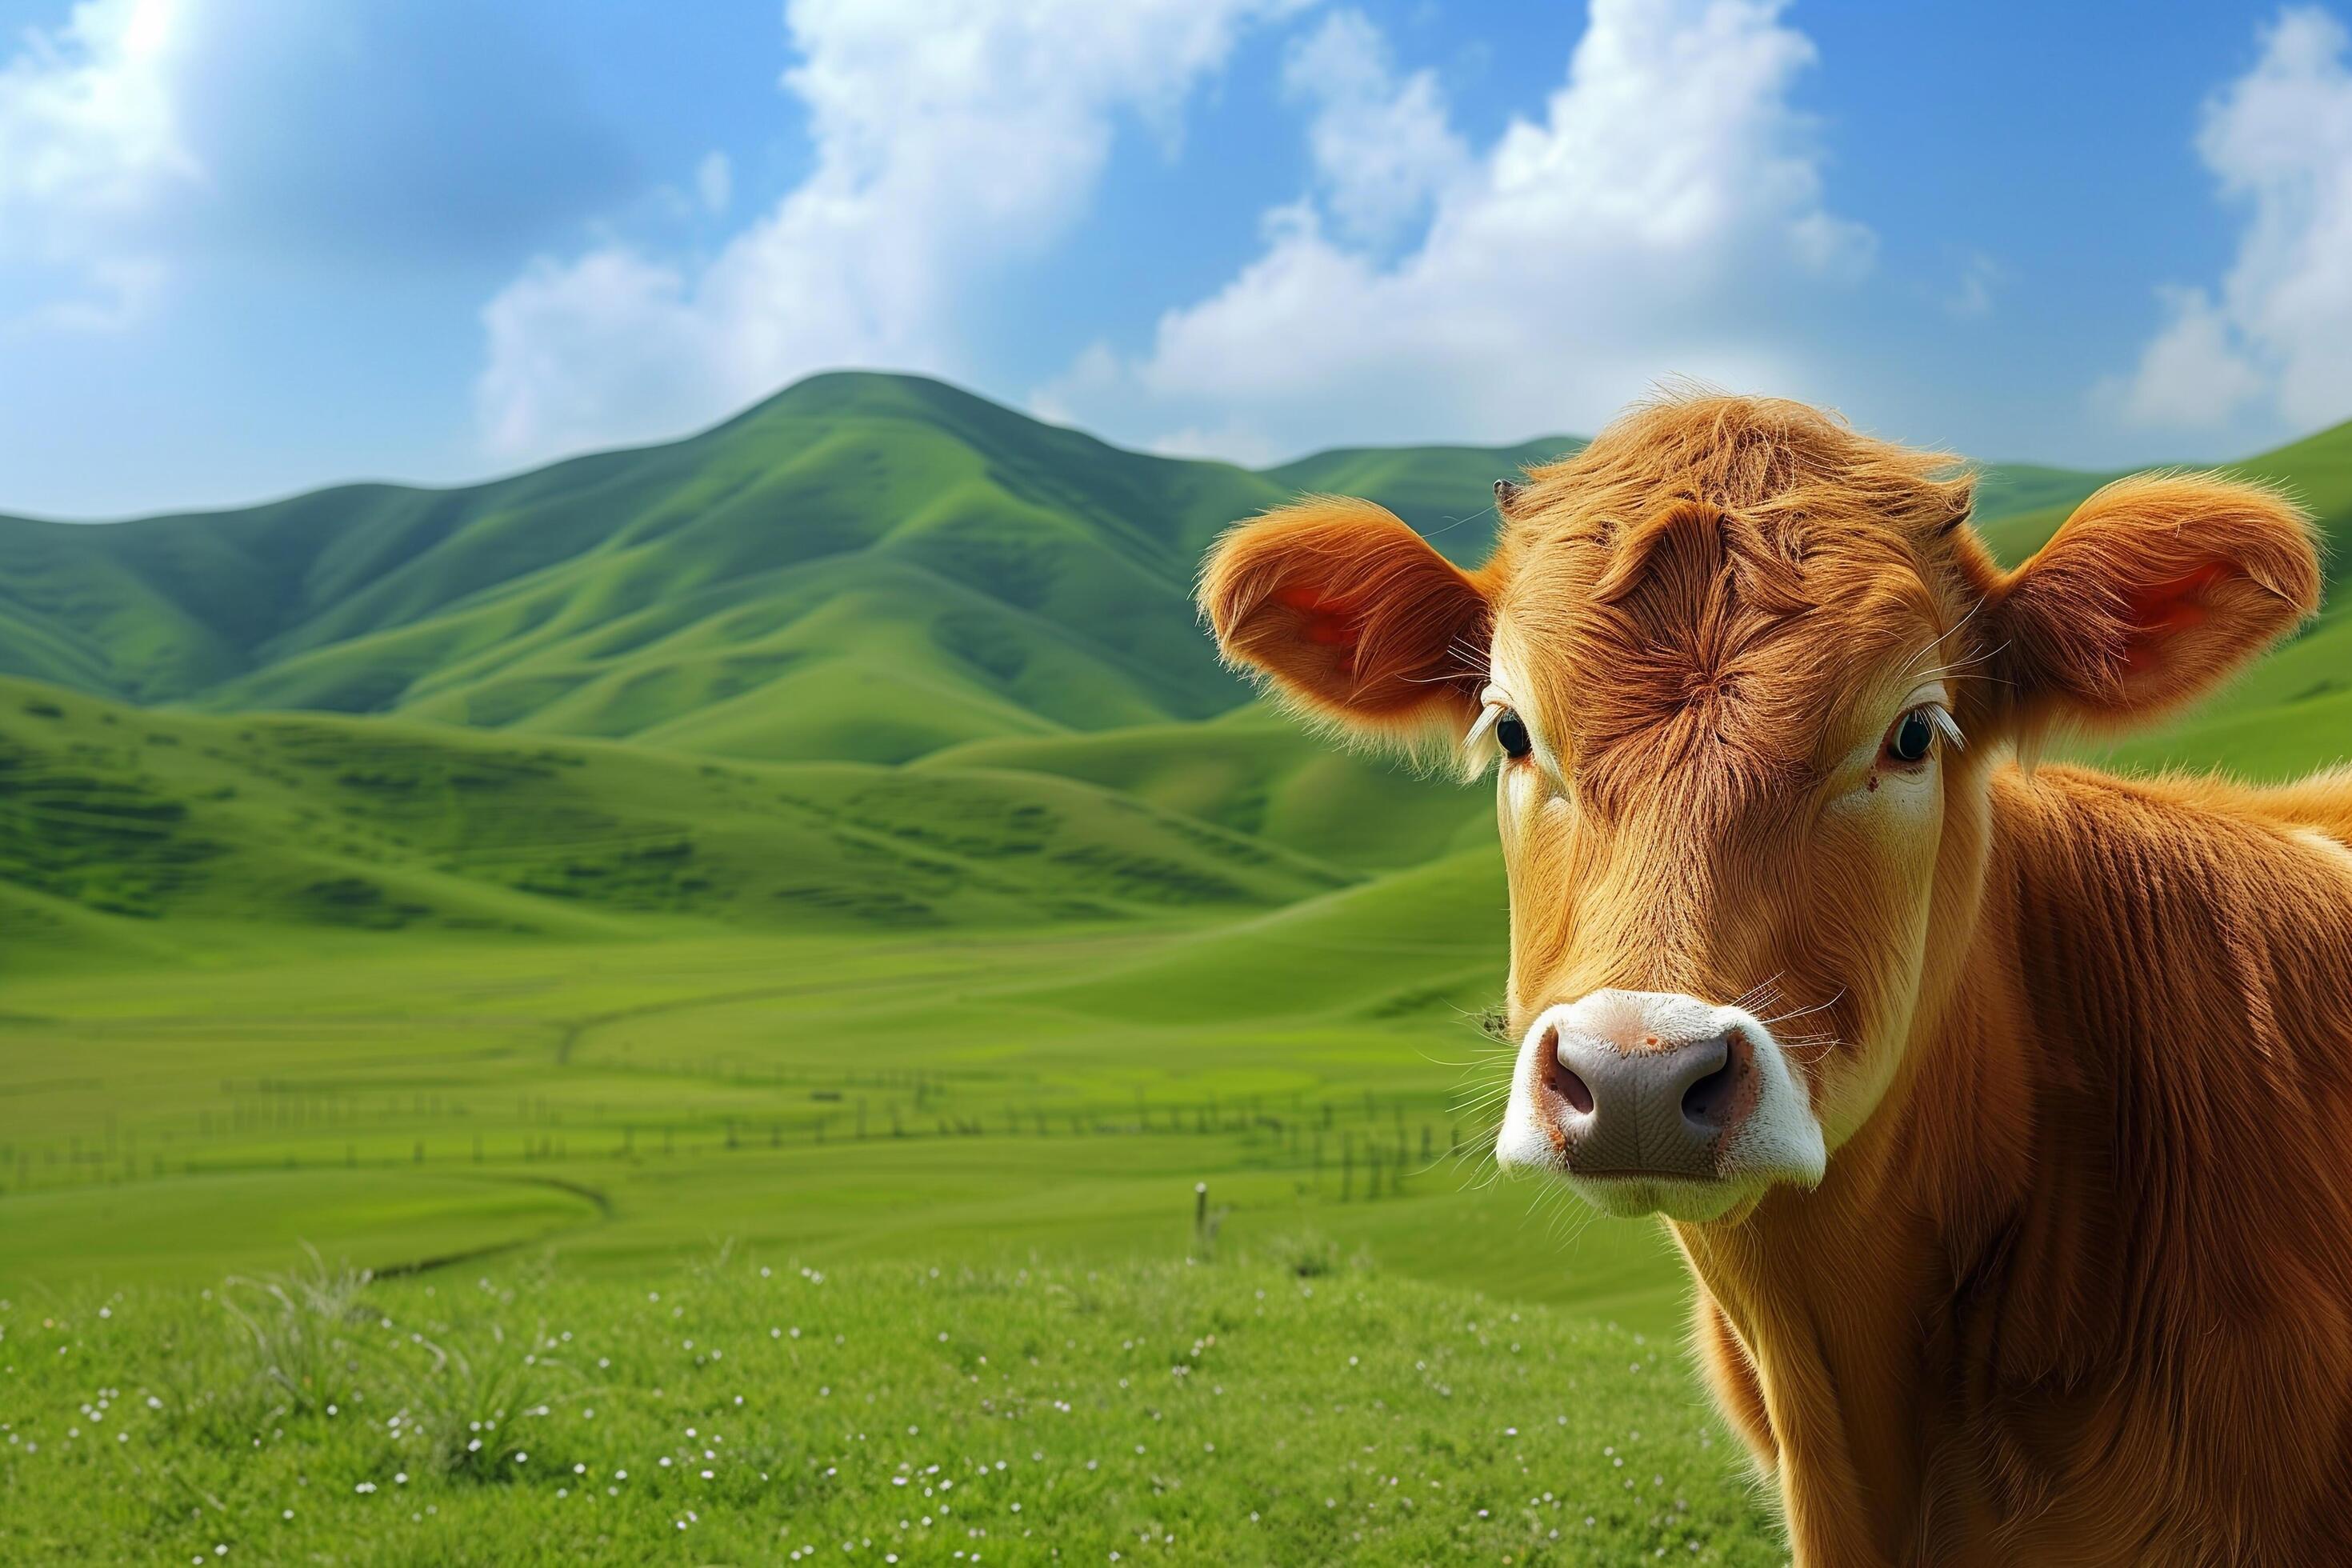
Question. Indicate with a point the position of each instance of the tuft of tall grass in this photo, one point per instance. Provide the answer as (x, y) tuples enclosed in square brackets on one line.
[(463, 1406), (298, 1326)]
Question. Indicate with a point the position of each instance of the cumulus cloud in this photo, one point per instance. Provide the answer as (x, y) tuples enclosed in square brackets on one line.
[(714, 182), (1664, 216), (139, 138), (2274, 339), (1980, 276), (951, 138), (1382, 147), (89, 142)]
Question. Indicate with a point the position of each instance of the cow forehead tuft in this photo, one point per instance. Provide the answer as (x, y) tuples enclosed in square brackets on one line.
[(1706, 584), (1802, 477)]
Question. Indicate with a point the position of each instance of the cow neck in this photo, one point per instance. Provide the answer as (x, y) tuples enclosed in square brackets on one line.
[(1836, 1293), (1823, 1289)]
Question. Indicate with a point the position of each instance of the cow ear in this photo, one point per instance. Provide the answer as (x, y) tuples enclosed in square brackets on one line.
[(2158, 589), (1350, 617)]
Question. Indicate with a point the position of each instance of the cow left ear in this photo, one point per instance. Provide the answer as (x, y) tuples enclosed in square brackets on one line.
[(1352, 618), (2157, 590)]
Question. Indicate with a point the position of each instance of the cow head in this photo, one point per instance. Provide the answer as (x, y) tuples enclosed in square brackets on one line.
[(1741, 676)]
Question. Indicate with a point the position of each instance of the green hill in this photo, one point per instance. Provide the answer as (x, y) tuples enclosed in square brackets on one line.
[(865, 570), (2292, 713), (127, 834), (1255, 770), (1446, 492), (863, 567)]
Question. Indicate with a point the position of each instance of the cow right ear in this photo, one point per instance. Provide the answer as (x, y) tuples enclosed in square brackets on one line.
[(1350, 617), (2157, 590)]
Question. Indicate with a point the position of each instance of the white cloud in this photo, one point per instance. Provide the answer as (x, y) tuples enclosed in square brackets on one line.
[(1664, 216), (951, 137), (142, 139), (1980, 276), (2276, 335), (2193, 373), (89, 142), (1382, 147), (714, 182)]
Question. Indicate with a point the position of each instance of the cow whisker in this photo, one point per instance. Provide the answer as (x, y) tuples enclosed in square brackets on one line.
[(1758, 994), (1773, 1023), (1485, 1058), (1804, 1049)]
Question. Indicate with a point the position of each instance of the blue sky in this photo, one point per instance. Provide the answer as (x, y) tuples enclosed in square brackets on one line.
[(248, 247)]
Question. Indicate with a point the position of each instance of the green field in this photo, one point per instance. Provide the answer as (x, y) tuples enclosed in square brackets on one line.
[(1289, 1408), (629, 1104), (825, 845)]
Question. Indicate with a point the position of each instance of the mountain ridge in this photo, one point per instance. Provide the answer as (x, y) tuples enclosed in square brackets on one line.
[(1016, 577)]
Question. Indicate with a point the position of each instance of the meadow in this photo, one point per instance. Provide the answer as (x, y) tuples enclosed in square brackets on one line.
[(502, 1115), (1282, 1409), (734, 1249), (1055, 1098)]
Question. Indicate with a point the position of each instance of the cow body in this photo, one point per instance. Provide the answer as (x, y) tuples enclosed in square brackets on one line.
[(2003, 1113)]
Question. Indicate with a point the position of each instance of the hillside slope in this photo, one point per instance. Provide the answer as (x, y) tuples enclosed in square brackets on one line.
[(129, 833), (1446, 492), (864, 566)]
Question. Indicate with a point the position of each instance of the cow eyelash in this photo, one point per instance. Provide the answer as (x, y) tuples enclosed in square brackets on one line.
[(1497, 719), (1488, 717), (1902, 747)]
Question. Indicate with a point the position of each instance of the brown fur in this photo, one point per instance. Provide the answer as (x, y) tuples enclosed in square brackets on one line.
[(2077, 1285)]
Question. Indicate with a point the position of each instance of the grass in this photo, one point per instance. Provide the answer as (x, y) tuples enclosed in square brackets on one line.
[(549, 1142), (1292, 1407), (127, 834), (627, 1104), (416, 992)]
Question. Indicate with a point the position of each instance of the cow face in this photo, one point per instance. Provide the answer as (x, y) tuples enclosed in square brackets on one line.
[(1739, 676)]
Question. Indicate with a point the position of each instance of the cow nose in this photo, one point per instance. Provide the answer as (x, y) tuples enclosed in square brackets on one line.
[(1631, 1097)]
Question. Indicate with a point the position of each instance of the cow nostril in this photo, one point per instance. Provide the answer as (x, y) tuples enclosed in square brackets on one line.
[(1561, 1078), (1706, 1102)]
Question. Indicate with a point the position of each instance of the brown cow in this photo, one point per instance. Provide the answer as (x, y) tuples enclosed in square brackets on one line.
[(2003, 1112)]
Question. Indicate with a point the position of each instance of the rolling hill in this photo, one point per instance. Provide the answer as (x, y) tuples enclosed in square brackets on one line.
[(131, 834), (865, 567), (876, 652)]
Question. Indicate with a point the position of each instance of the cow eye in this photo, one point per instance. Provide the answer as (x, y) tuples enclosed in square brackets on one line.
[(1912, 737), (1512, 736)]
